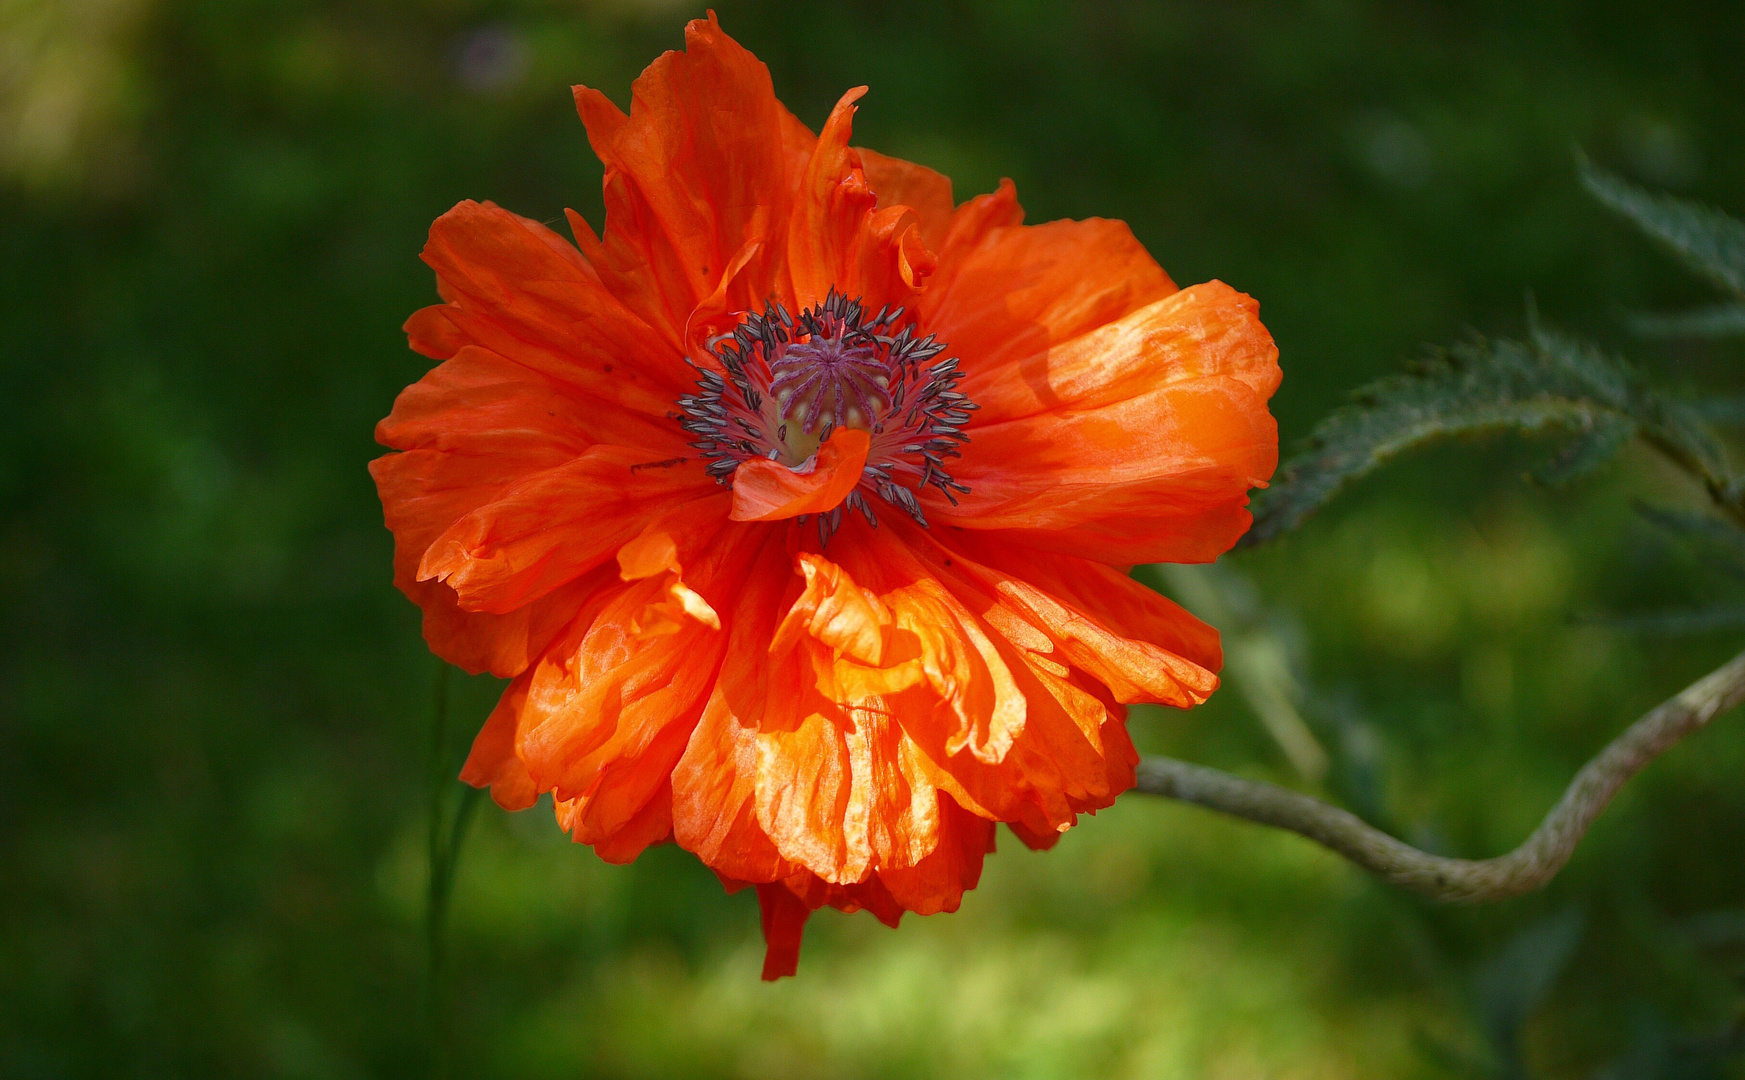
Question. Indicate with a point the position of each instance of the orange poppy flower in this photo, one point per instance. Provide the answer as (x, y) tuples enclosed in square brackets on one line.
[(799, 504)]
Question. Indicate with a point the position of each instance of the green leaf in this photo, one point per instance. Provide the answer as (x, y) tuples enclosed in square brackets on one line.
[(1476, 388), (1678, 623), (1710, 241), (1719, 321), (1514, 982), (1586, 451), (1720, 543), (1673, 426), (1691, 523), (1720, 410)]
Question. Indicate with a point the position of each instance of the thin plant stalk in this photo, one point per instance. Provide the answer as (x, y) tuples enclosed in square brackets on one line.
[(447, 829)]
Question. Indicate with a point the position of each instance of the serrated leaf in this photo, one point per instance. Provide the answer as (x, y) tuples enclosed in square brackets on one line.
[(1719, 321), (1475, 388), (1721, 543), (1677, 623), (1587, 451), (1671, 425), (1692, 523), (1712, 243), (1720, 410)]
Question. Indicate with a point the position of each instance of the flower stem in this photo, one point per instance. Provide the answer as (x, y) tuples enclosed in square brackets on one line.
[(446, 831), (1528, 867)]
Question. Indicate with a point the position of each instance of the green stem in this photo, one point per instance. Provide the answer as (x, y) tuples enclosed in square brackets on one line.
[(446, 832)]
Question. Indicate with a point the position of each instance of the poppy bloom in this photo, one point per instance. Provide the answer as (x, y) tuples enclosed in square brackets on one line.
[(798, 504)]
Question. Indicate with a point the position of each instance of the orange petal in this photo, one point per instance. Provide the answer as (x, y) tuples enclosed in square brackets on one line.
[(952, 651), (473, 427), (610, 707), (830, 211), (715, 781), (1061, 748), (1023, 290), (782, 771), (653, 824), (482, 405), (492, 762), (841, 237), (608, 711), (903, 183), (894, 262), (769, 491), (840, 788), (1132, 669), (433, 333), (556, 525), (656, 552), (1034, 839), (834, 610), (971, 225), (1158, 429), (706, 160), (519, 289), (938, 882), (1104, 593)]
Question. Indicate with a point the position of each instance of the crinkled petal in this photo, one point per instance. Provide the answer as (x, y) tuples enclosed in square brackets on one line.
[(991, 646), (519, 289), (903, 183), (1103, 593), (1021, 291), (840, 788), (770, 491), (653, 824), (838, 238), (556, 525), (706, 160), (604, 717), (715, 780), (471, 428), (1157, 429)]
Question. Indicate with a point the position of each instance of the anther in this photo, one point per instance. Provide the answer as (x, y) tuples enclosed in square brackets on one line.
[(804, 376)]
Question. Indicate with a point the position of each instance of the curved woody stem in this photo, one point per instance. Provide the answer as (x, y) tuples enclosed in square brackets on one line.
[(1528, 867)]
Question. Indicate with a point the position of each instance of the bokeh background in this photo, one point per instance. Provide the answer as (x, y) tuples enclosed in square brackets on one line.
[(214, 706)]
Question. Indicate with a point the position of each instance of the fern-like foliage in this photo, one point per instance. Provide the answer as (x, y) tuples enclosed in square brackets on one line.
[(1480, 387), (1716, 321), (1715, 542), (1707, 620), (1710, 241), (1548, 384)]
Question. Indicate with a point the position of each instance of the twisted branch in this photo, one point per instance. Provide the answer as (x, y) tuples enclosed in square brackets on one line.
[(1522, 870)]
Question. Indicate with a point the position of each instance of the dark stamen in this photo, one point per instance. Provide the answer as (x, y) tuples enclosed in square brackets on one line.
[(831, 366)]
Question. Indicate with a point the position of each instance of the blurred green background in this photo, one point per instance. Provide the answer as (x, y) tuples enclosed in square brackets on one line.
[(213, 705)]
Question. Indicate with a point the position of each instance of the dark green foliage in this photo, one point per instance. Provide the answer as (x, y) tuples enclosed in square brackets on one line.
[(1718, 546), (1478, 387), (1509, 986), (1553, 383), (1728, 411), (1586, 451), (1724, 543), (1717, 321), (1712, 243), (1672, 623)]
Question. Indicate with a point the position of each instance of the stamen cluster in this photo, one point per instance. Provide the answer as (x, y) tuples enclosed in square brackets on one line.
[(787, 383)]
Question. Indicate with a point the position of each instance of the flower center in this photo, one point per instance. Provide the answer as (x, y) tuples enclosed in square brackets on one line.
[(788, 383)]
